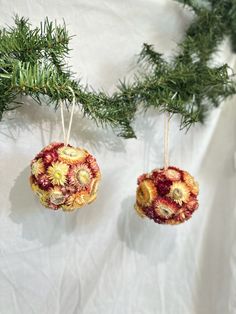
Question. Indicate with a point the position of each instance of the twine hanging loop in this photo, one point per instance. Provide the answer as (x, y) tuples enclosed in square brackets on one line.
[(66, 135), (167, 118)]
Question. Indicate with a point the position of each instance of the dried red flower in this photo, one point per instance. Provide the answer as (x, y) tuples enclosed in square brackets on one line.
[(163, 187), (50, 156), (43, 182)]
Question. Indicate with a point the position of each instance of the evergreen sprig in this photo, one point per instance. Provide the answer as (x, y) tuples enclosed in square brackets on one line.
[(33, 62)]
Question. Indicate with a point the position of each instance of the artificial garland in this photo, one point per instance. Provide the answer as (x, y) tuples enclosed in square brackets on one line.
[(33, 62)]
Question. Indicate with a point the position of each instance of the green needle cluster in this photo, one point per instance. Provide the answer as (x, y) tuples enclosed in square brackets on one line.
[(33, 61)]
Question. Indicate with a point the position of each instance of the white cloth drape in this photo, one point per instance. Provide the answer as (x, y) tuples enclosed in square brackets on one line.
[(103, 259)]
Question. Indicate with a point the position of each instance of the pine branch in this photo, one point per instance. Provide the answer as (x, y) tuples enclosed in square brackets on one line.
[(191, 82), (215, 19), (44, 80), (33, 62)]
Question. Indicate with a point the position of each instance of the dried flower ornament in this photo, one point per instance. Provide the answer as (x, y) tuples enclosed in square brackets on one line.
[(167, 195), (65, 185), (65, 177), (163, 200)]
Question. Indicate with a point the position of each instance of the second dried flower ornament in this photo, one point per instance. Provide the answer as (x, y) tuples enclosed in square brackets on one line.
[(65, 177), (167, 195)]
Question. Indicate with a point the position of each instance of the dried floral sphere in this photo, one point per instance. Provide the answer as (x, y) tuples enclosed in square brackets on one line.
[(64, 177), (168, 196)]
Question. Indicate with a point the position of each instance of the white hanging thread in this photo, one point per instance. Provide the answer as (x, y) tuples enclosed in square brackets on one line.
[(166, 139), (166, 136), (67, 135), (63, 122)]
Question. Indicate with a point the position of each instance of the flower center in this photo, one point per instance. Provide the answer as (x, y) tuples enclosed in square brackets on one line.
[(141, 195), (177, 194), (83, 177), (70, 152), (57, 198), (58, 175), (165, 211)]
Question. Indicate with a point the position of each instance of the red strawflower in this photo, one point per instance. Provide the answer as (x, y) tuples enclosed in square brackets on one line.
[(192, 204), (44, 182), (68, 190), (163, 187), (93, 165), (158, 176), (50, 156)]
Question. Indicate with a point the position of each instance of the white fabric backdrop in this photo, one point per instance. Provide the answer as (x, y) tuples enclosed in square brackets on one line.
[(104, 259)]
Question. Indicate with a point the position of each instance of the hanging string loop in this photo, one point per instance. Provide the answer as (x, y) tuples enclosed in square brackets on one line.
[(167, 118), (66, 135)]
